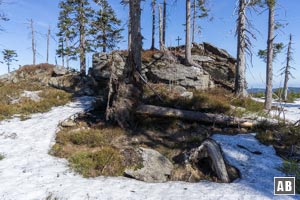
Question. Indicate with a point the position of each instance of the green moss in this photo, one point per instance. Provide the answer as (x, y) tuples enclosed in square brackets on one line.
[(2, 157), (105, 162)]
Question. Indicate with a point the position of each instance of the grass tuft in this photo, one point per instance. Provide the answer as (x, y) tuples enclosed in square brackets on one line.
[(107, 162), (292, 168)]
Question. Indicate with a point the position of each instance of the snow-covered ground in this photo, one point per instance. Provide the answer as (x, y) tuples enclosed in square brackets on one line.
[(29, 172), (291, 111)]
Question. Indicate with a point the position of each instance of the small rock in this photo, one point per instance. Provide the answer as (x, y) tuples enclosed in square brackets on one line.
[(158, 55), (179, 89), (68, 123), (188, 95)]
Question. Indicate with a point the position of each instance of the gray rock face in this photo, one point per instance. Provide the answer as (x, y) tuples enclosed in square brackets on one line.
[(156, 167), (215, 67)]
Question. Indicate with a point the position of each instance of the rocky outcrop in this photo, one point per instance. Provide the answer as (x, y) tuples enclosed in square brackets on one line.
[(54, 76), (215, 67), (156, 167)]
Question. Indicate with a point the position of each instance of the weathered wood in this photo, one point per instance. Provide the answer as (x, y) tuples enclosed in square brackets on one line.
[(158, 111), (210, 149)]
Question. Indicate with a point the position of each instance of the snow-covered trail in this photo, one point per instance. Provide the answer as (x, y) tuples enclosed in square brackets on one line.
[(28, 172)]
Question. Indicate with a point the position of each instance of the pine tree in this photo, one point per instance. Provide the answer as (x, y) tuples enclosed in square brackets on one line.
[(74, 21), (199, 11), (8, 57), (106, 27)]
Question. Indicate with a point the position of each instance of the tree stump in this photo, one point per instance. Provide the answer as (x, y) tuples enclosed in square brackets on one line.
[(210, 149)]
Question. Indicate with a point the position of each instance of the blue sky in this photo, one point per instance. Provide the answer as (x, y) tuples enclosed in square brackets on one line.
[(220, 31)]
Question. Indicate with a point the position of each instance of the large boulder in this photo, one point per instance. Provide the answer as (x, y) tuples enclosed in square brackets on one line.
[(214, 67), (156, 167)]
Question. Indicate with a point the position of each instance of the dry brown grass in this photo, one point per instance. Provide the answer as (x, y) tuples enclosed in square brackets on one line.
[(31, 69), (49, 98), (213, 101)]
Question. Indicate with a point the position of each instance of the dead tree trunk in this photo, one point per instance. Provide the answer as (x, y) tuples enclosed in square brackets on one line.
[(287, 69), (161, 42), (125, 90), (194, 21), (164, 22), (48, 44), (240, 79), (158, 111), (188, 53), (153, 24), (33, 45), (210, 149), (270, 52)]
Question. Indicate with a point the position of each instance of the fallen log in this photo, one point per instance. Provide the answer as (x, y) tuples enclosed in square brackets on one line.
[(210, 149), (158, 111)]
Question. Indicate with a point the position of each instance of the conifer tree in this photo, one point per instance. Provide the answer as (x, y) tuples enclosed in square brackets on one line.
[(74, 20), (106, 27), (8, 57)]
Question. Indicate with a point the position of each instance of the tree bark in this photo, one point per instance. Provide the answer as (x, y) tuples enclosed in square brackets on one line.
[(158, 111), (67, 55), (33, 45), (164, 22), (153, 24), (270, 52), (48, 44), (210, 149), (82, 45), (161, 42), (240, 77), (194, 21), (188, 53), (287, 70), (125, 90)]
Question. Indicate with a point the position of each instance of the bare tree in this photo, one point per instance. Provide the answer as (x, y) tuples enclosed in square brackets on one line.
[(153, 5), (164, 22), (161, 40), (188, 53), (287, 69), (240, 77), (270, 52), (48, 44), (33, 44)]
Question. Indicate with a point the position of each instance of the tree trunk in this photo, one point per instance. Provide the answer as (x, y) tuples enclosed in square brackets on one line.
[(8, 68), (165, 22), (161, 42), (62, 53), (287, 70), (82, 45), (67, 55), (33, 45), (188, 53), (153, 24), (269, 70), (240, 78), (210, 149), (48, 44), (158, 111), (194, 21), (125, 91)]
